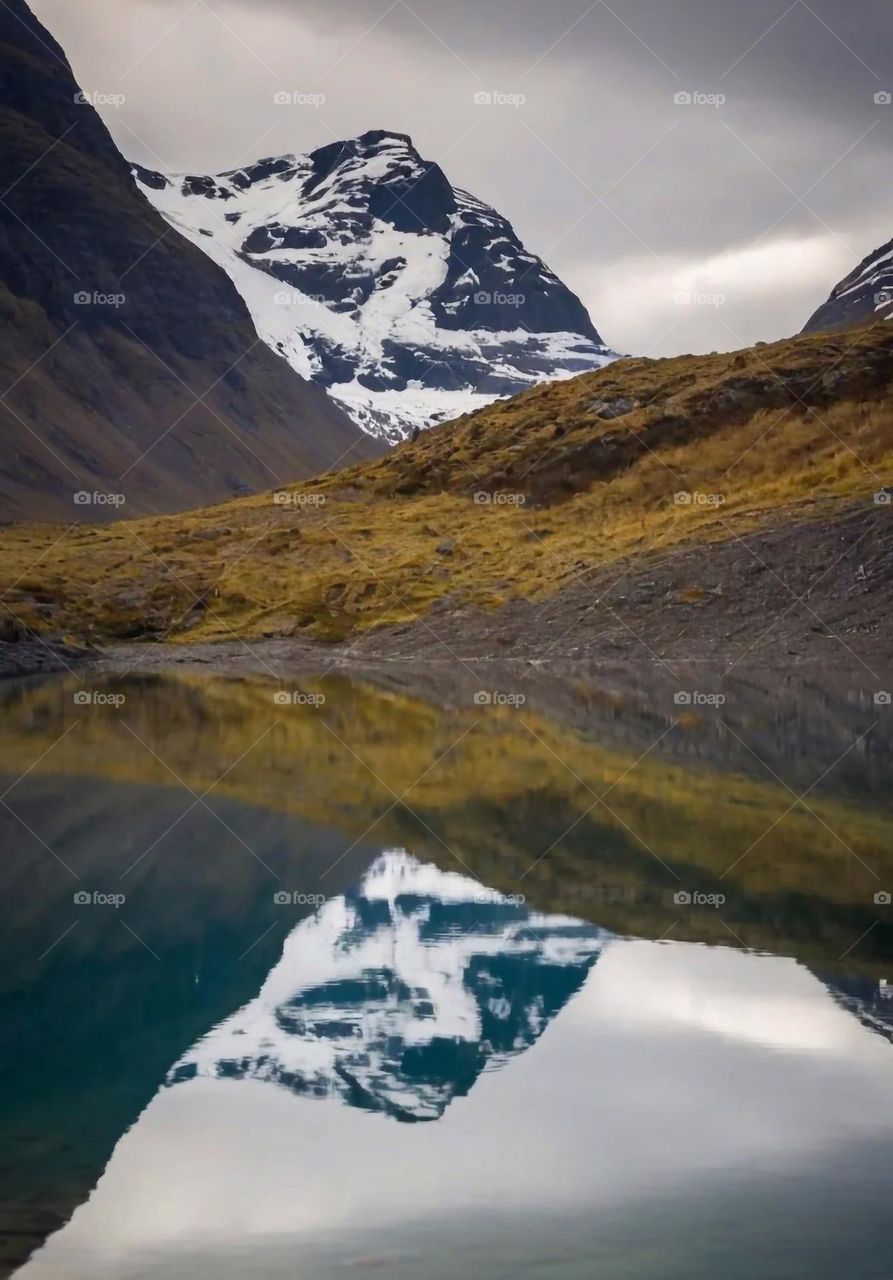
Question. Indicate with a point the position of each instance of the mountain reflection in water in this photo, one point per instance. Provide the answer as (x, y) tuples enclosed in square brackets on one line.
[(397, 995), (644, 1089), (224, 1074)]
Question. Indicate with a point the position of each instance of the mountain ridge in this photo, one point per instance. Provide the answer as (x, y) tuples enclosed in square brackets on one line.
[(112, 387)]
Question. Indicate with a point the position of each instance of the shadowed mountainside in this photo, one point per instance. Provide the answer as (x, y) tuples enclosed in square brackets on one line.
[(128, 361)]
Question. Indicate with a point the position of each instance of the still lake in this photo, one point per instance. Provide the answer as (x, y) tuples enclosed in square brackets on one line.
[(588, 983)]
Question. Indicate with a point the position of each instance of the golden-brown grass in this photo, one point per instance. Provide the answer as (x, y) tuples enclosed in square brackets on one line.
[(772, 435)]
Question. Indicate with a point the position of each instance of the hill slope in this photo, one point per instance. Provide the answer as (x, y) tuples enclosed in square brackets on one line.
[(412, 301), (128, 362), (519, 525)]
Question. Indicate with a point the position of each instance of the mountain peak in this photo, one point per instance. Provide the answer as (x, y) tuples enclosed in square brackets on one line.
[(376, 137), (410, 300)]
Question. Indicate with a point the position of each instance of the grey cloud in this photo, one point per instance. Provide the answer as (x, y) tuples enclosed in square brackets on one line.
[(688, 184)]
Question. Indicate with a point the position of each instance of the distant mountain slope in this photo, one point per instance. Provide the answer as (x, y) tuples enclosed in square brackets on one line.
[(866, 293), (112, 326), (397, 995), (412, 301)]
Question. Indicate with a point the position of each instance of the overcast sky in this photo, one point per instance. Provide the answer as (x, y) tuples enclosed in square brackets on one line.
[(752, 208)]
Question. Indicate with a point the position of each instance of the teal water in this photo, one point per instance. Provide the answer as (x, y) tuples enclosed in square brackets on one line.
[(299, 1047)]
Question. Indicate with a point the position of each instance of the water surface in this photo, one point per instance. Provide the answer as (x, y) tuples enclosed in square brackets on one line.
[(567, 987)]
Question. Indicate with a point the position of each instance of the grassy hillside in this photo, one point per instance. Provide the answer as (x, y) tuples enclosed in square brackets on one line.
[(513, 501)]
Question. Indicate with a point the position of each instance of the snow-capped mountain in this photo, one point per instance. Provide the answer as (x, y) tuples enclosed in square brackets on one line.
[(397, 996), (865, 293), (409, 300)]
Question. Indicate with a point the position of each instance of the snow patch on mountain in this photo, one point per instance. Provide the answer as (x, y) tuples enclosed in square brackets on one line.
[(396, 996), (410, 300)]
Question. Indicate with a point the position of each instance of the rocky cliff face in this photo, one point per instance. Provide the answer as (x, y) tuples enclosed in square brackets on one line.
[(128, 362)]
